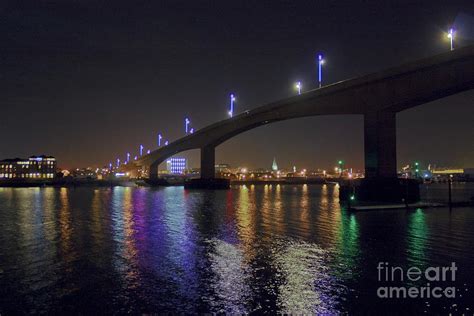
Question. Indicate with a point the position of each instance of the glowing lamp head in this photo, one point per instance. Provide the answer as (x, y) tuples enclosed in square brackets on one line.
[(451, 33), (340, 162), (232, 97), (230, 113), (186, 120)]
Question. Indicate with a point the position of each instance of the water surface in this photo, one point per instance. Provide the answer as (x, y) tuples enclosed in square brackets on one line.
[(284, 248)]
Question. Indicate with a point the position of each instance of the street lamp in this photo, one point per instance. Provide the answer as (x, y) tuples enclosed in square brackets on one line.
[(148, 151), (186, 125), (191, 130), (166, 143), (232, 100), (298, 87), (450, 35), (159, 140), (118, 162), (320, 69), (128, 157), (141, 150)]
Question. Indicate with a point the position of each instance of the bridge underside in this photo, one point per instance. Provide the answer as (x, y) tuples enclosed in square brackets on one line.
[(378, 97)]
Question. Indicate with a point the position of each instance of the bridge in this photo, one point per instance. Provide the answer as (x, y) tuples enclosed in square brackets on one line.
[(378, 97)]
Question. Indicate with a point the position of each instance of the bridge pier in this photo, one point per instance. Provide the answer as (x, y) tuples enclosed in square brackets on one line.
[(208, 178), (208, 161), (380, 145), (381, 183)]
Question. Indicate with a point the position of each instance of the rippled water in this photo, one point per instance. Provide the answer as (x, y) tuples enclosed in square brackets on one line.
[(284, 248)]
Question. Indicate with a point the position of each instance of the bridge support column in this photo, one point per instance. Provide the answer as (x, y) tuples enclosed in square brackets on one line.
[(153, 172), (208, 161), (380, 146), (208, 174)]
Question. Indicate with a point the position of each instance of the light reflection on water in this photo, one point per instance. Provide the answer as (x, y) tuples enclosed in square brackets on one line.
[(270, 248)]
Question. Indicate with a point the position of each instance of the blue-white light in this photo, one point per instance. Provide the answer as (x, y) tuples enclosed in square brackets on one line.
[(298, 87), (232, 100), (451, 34), (320, 71), (186, 125), (159, 140), (110, 165), (141, 150), (166, 143), (148, 151), (128, 157), (118, 162), (191, 130)]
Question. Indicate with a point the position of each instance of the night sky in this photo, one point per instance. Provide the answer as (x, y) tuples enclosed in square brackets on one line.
[(88, 81)]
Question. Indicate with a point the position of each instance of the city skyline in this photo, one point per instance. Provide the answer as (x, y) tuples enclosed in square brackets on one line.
[(102, 96)]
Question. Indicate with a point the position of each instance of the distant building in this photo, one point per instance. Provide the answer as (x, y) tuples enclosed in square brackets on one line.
[(222, 168), (176, 165), (274, 165), (35, 167)]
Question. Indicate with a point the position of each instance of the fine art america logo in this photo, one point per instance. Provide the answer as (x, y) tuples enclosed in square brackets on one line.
[(434, 280)]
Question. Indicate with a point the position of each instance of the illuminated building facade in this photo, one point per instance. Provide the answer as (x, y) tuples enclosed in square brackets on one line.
[(35, 167), (176, 165)]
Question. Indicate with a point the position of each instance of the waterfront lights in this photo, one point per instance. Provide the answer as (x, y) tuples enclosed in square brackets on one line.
[(159, 139), (166, 143), (320, 70), (232, 100), (191, 130), (141, 150), (128, 157), (186, 125), (148, 151), (110, 165), (298, 87), (451, 35), (118, 162)]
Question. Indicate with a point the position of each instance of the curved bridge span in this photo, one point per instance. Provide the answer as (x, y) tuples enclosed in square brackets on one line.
[(378, 97)]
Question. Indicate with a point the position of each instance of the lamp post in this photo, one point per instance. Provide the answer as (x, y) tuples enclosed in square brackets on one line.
[(159, 140), (186, 125), (320, 69), (141, 150), (118, 162), (451, 37), (298, 87), (128, 157), (232, 100)]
